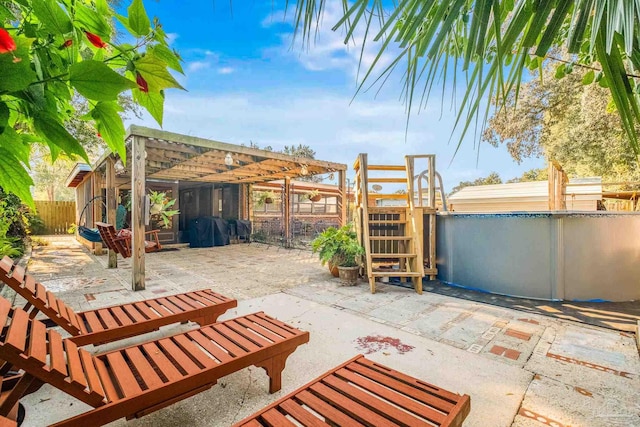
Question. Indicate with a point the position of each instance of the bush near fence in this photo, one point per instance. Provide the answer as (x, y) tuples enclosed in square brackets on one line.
[(57, 216)]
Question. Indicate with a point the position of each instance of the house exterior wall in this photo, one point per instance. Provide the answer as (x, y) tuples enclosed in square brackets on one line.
[(542, 255)]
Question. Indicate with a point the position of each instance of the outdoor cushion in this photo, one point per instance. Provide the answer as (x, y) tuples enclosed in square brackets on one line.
[(120, 241), (361, 392), (118, 321), (142, 378)]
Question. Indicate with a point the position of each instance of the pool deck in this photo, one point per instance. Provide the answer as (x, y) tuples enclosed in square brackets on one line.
[(521, 367)]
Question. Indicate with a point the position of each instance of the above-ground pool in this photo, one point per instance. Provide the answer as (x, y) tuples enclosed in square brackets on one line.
[(547, 255)]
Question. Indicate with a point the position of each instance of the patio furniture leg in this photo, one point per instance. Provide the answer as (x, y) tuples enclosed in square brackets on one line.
[(207, 320), (274, 367)]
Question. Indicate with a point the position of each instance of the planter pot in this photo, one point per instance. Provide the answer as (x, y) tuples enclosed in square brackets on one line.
[(268, 200), (155, 208), (333, 269), (316, 198), (349, 275)]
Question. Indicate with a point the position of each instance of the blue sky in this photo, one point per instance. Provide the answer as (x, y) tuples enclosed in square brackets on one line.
[(246, 82)]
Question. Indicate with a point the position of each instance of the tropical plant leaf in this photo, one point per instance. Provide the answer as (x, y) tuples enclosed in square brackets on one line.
[(110, 126), (14, 177), (96, 81), (138, 19), (154, 70), (52, 16)]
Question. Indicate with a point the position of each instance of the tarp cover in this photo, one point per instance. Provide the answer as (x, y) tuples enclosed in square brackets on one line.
[(208, 231)]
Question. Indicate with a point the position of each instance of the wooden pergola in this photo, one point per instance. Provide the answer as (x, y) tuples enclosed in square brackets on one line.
[(159, 155)]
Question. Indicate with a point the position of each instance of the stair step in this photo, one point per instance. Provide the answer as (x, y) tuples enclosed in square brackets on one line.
[(386, 210), (389, 237), (393, 255), (387, 221), (395, 274)]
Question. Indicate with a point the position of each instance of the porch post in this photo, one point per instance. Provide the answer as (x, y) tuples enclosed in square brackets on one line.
[(137, 212), (343, 201), (96, 207), (286, 206), (250, 204), (111, 206)]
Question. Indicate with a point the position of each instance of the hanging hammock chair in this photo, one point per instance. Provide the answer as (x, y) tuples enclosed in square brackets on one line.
[(91, 234)]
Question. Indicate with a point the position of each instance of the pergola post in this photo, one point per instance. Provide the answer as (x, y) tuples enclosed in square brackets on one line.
[(137, 212), (96, 207), (250, 203), (111, 205), (286, 206), (344, 201)]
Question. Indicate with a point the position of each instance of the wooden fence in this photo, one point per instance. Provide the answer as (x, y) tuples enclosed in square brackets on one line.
[(57, 216)]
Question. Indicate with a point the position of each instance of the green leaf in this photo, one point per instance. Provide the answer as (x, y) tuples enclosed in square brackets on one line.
[(153, 102), (110, 126), (14, 177), (125, 23), (154, 71), (52, 16), (162, 52), (56, 135), (96, 81), (92, 21), (138, 19), (588, 77), (18, 75), (4, 116), (560, 71), (11, 141)]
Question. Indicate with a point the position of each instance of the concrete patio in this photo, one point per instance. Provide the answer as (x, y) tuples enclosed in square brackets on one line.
[(520, 368)]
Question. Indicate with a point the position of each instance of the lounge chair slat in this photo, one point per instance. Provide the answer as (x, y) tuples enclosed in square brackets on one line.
[(174, 353), (254, 326), (209, 296), (213, 349), (233, 349), (120, 316), (160, 308), (350, 407), (426, 387), (92, 319), (93, 379), (255, 338), (397, 398), (179, 303), (30, 284), (41, 292), (168, 305), (17, 334), (5, 265), (61, 308), (189, 348), (5, 308), (73, 318), (275, 418), (107, 319), (142, 365), (145, 309), (18, 274), (281, 325), (301, 415), (236, 338), (167, 368), (105, 380), (122, 373), (76, 372), (271, 326), (326, 410), (402, 387), (133, 312), (38, 342), (196, 299), (52, 301), (56, 352), (253, 423)]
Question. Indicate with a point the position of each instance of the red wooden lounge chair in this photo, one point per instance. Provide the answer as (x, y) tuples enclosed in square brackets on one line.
[(137, 380), (115, 322), (120, 242), (361, 392)]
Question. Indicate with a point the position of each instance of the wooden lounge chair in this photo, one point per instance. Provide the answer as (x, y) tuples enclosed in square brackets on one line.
[(338, 398), (137, 380), (121, 243), (115, 322)]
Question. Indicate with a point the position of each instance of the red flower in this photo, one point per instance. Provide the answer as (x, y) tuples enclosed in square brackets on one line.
[(6, 42), (98, 133), (67, 43), (142, 83), (95, 40)]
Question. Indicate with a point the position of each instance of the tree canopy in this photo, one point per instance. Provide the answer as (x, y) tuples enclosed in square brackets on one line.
[(493, 42), (492, 178), (51, 51)]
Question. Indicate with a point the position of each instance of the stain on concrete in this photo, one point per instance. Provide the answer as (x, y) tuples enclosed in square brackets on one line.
[(373, 343)]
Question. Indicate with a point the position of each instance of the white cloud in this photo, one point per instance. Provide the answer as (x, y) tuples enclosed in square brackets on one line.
[(336, 128), (194, 66), (328, 50), (226, 70), (171, 38)]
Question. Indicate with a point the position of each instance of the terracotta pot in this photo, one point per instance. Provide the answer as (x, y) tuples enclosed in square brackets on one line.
[(349, 275), (334, 270), (268, 200), (316, 198)]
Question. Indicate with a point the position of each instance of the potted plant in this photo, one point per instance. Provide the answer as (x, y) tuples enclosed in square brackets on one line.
[(339, 247), (265, 197), (160, 206), (314, 195)]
